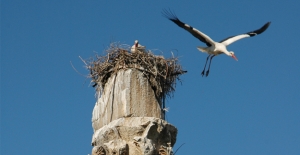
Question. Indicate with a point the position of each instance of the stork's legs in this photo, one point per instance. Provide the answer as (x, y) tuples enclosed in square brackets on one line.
[(205, 65), (207, 72)]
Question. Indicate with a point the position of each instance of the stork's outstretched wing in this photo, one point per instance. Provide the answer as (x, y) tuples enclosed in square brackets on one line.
[(232, 39), (196, 33)]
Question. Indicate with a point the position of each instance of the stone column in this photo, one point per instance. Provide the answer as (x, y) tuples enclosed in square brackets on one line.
[(127, 118)]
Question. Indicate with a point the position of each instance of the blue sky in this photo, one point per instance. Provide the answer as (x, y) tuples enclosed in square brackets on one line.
[(250, 106)]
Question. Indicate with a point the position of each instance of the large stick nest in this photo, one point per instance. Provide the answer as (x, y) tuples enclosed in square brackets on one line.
[(161, 73)]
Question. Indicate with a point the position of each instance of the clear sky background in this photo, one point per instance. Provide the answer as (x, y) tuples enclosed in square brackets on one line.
[(244, 107)]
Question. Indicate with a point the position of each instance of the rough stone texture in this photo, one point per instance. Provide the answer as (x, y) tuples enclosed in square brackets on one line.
[(135, 136), (127, 118), (126, 94)]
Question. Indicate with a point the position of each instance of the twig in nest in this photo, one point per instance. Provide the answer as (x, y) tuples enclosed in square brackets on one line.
[(76, 69)]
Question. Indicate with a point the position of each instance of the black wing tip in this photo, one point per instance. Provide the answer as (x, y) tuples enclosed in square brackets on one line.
[(168, 13), (263, 28), (267, 25), (259, 31)]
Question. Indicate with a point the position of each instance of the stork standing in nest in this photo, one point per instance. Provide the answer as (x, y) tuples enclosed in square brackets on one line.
[(137, 47)]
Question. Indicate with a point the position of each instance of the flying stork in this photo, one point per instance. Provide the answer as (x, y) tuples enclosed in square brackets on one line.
[(213, 48)]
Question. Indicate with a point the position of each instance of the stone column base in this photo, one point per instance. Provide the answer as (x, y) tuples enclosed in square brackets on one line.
[(135, 136)]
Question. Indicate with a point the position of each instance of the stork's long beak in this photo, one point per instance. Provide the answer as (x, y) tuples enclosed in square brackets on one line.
[(234, 57)]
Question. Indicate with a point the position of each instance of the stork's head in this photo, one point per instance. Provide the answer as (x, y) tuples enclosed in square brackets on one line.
[(136, 42), (231, 53)]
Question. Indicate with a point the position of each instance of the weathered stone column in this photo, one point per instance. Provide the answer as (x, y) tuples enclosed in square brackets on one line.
[(127, 118)]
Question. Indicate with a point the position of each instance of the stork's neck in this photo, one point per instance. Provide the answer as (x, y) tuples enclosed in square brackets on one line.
[(227, 53)]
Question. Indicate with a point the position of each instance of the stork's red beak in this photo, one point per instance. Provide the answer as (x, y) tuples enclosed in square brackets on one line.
[(234, 57)]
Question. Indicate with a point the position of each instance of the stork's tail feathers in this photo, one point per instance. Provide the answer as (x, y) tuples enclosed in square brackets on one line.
[(203, 49)]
